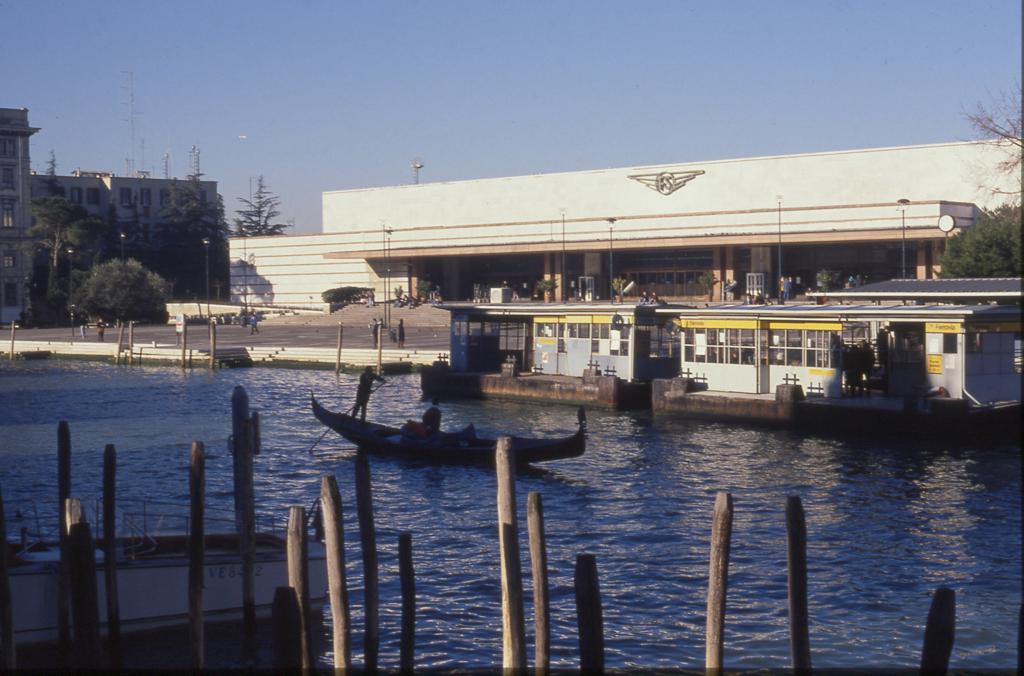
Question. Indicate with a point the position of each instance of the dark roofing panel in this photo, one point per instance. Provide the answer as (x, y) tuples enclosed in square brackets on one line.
[(910, 287)]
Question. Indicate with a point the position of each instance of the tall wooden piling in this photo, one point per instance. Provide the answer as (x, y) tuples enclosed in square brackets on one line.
[(539, 572), (110, 555), (796, 559), (131, 343), (380, 348), (337, 357), (286, 644), (213, 344), (939, 632), (184, 343), (120, 342), (63, 492), (298, 577), (407, 576), (9, 661), (14, 328), (368, 543), (512, 616), (196, 552), (247, 543), (589, 615), (245, 512), (85, 612), (334, 542), (718, 581)]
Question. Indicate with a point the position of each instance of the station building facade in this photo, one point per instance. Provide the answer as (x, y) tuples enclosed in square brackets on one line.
[(870, 214)]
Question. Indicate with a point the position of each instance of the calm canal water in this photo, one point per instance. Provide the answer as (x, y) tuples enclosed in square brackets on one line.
[(887, 522)]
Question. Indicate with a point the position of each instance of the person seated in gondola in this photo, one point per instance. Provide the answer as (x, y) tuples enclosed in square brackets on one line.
[(428, 428), (363, 392)]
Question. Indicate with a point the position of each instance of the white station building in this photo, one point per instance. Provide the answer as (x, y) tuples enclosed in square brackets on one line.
[(870, 213)]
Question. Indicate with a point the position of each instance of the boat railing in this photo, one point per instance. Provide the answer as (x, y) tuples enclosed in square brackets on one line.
[(142, 522)]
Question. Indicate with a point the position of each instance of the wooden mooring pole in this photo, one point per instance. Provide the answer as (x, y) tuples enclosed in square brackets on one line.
[(110, 555), (184, 344), (245, 513), (213, 344), (14, 328), (939, 632), (121, 340), (286, 644), (131, 343), (85, 613), (298, 577), (334, 542), (63, 493), (337, 357), (589, 615), (539, 572), (368, 543), (407, 576), (718, 581), (196, 552), (512, 616), (9, 661), (380, 348), (796, 559)]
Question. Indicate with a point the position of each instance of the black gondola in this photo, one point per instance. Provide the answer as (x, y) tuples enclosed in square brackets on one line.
[(460, 447)]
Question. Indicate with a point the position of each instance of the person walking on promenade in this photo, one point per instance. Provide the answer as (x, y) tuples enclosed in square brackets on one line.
[(100, 330), (401, 333), (374, 332), (363, 392), (254, 320)]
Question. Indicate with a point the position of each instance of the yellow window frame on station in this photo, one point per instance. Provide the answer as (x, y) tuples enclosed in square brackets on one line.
[(716, 323), (810, 326), (996, 327), (943, 327)]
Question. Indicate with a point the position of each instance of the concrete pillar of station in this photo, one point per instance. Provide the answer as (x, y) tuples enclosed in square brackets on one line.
[(413, 276), (718, 269), (938, 248), (922, 260)]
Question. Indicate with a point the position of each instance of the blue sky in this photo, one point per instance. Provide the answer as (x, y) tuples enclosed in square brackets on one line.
[(338, 95)]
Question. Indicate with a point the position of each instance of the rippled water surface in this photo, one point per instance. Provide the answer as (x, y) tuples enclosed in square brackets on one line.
[(887, 522)]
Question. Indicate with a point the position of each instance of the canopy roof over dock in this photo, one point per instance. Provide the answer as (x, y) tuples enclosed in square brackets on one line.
[(984, 289)]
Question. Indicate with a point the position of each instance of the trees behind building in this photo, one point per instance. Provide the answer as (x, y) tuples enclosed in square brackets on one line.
[(258, 213), (1000, 121)]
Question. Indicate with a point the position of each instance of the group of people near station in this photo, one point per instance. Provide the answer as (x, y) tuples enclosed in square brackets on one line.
[(858, 360), (649, 300), (396, 334)]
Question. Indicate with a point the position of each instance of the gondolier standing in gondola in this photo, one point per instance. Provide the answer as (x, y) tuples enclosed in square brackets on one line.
[(364, 391)]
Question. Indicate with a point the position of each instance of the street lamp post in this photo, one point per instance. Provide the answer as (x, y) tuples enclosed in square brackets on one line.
[(611, 267), (122, 237), (782, 294), (71, 306), (563, 276), (385, 241), (903, 245), (206, 255)]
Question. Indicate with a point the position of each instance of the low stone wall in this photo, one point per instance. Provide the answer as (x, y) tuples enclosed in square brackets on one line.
[(936, 418)]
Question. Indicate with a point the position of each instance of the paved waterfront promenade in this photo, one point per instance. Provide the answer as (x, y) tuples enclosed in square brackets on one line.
[(306, 337)]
